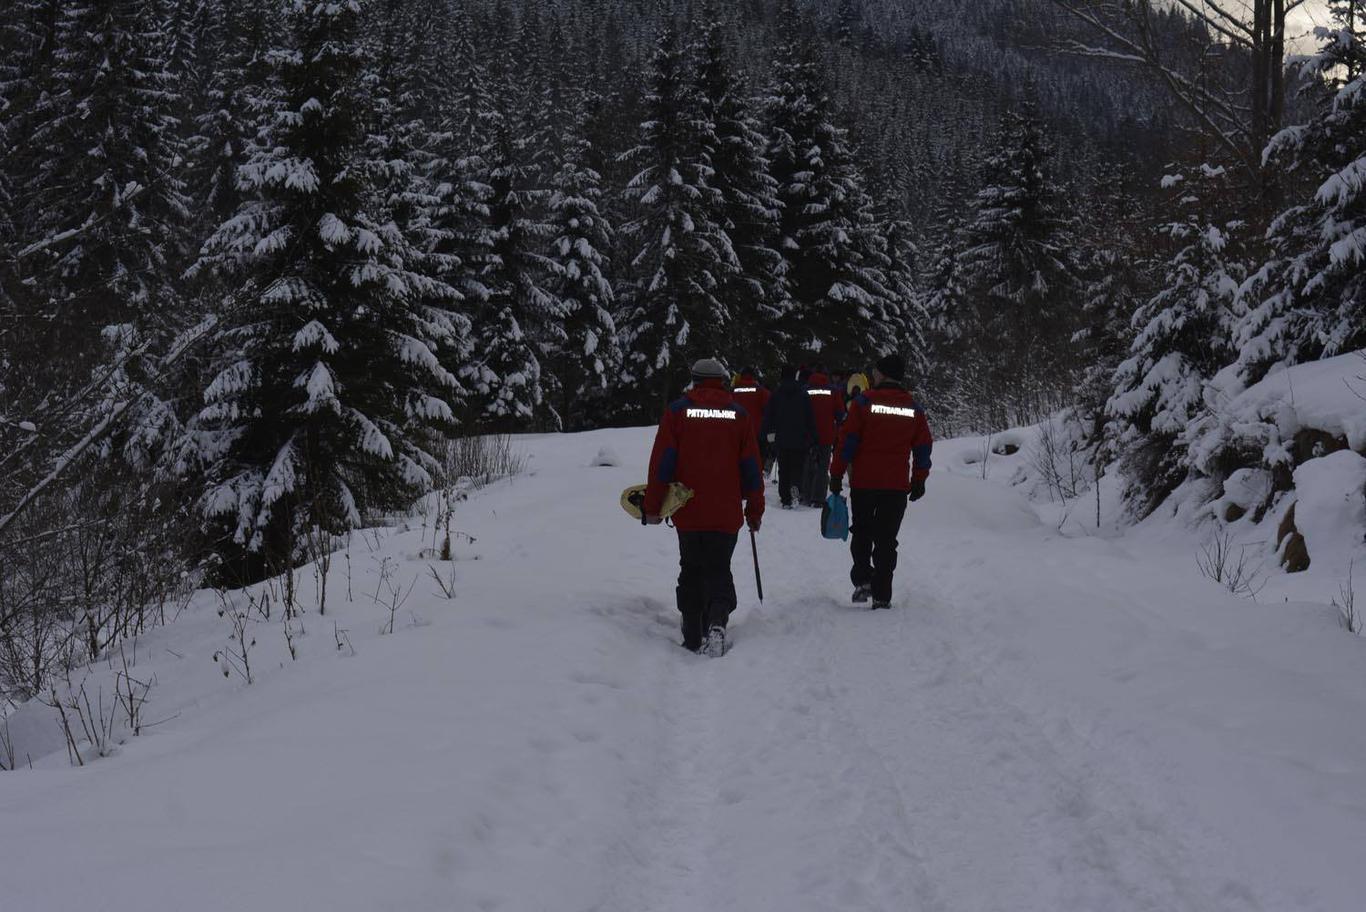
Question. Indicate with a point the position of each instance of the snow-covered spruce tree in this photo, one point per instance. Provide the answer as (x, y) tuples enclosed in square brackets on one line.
[(1308, 300), (749, 194), (196, 50), (234, 94), (682, 256), (949, 334), (901, 253), (459, 94), (328, 386), (26, 37), (1345, 39), (584, 363), (401, 148), (1019, 267), (1115, 271), (495, 181), (11, 76), (459, 173), (520, 311), (840, 303), (105, 205), (944, 296), (1182, 339)]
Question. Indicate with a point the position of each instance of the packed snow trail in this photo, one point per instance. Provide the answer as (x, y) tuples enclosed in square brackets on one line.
[(1041, 723)]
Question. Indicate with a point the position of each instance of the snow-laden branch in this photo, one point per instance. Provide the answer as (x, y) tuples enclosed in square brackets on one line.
[(106, 424), (68, 234)]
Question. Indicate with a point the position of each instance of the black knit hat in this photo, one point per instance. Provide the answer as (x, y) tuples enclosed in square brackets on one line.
[(893, 367)]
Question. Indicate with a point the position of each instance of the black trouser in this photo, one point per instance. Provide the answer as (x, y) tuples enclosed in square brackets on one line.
[(791, 466), (874, 525), (817, 483), (706, 590)]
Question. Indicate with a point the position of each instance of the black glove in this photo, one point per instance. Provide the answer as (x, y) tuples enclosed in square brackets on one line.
[(836, 484), (917, 489)]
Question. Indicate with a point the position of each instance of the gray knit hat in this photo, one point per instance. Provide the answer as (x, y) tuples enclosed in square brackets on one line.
[(709, 369)]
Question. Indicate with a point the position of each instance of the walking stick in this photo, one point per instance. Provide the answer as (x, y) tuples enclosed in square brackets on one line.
[(758, 580)]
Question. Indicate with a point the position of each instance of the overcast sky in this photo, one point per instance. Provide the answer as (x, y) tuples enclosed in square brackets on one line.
[(1302, 21)]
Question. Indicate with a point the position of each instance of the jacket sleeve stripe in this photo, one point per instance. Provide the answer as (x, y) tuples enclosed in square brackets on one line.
[(850, 448), (921, 454), (751, 479), (668, 466)]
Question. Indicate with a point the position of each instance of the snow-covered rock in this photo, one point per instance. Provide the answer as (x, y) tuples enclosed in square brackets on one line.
[(1330, 511), (1288, 417), (1246, 491)]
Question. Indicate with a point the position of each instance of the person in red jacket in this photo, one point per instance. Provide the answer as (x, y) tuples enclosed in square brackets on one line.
[(707, 441), (885, 445), (827, 403), (754, 396)]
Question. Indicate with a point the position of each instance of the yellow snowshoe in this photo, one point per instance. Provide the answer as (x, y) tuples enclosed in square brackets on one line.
[(633, 498)]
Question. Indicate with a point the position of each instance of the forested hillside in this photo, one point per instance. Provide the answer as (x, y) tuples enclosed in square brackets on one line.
[(261, 261)]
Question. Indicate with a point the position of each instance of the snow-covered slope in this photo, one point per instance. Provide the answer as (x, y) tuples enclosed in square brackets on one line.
[(1047, 721)]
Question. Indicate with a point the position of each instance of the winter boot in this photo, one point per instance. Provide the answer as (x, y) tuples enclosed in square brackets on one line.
[(693, 640), (880, 603), (862, 594), (715, 644)]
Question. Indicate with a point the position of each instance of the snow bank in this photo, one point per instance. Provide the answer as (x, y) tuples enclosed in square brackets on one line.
[(1294, 439), (1326, 396)]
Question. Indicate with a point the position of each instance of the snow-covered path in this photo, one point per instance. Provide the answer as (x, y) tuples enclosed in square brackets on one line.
[(1041, 723)]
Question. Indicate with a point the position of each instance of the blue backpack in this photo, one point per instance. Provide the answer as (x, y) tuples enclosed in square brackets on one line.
[(835, 518)]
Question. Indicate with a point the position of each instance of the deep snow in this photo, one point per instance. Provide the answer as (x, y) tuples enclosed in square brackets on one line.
[(1053, 717)]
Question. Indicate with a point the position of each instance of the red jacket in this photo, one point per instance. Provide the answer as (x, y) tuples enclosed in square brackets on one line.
[(828, 404), (706, 440), (885, 430), (754, 397)]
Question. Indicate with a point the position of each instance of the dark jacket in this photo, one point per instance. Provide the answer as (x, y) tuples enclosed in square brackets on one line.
[(706, 441), (884, 432), (790, 417)]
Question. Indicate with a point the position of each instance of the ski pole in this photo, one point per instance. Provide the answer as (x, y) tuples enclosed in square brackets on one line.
[(758, 580)]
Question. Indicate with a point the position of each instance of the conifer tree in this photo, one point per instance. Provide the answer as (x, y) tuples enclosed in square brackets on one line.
[(682, 256), (908, 302), (1309, 299), (1114, 270), (585, 357), (106, 208), (502, 374), (749, 199), (1182, 340), (27, 39), (840, 301), (1019, 262), (944, 296), (498, 172), (328, 385)]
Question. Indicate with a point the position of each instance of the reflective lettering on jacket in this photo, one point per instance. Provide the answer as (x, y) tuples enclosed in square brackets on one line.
[(820, 392), (745, 389), (892, 410), (711, 413)]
